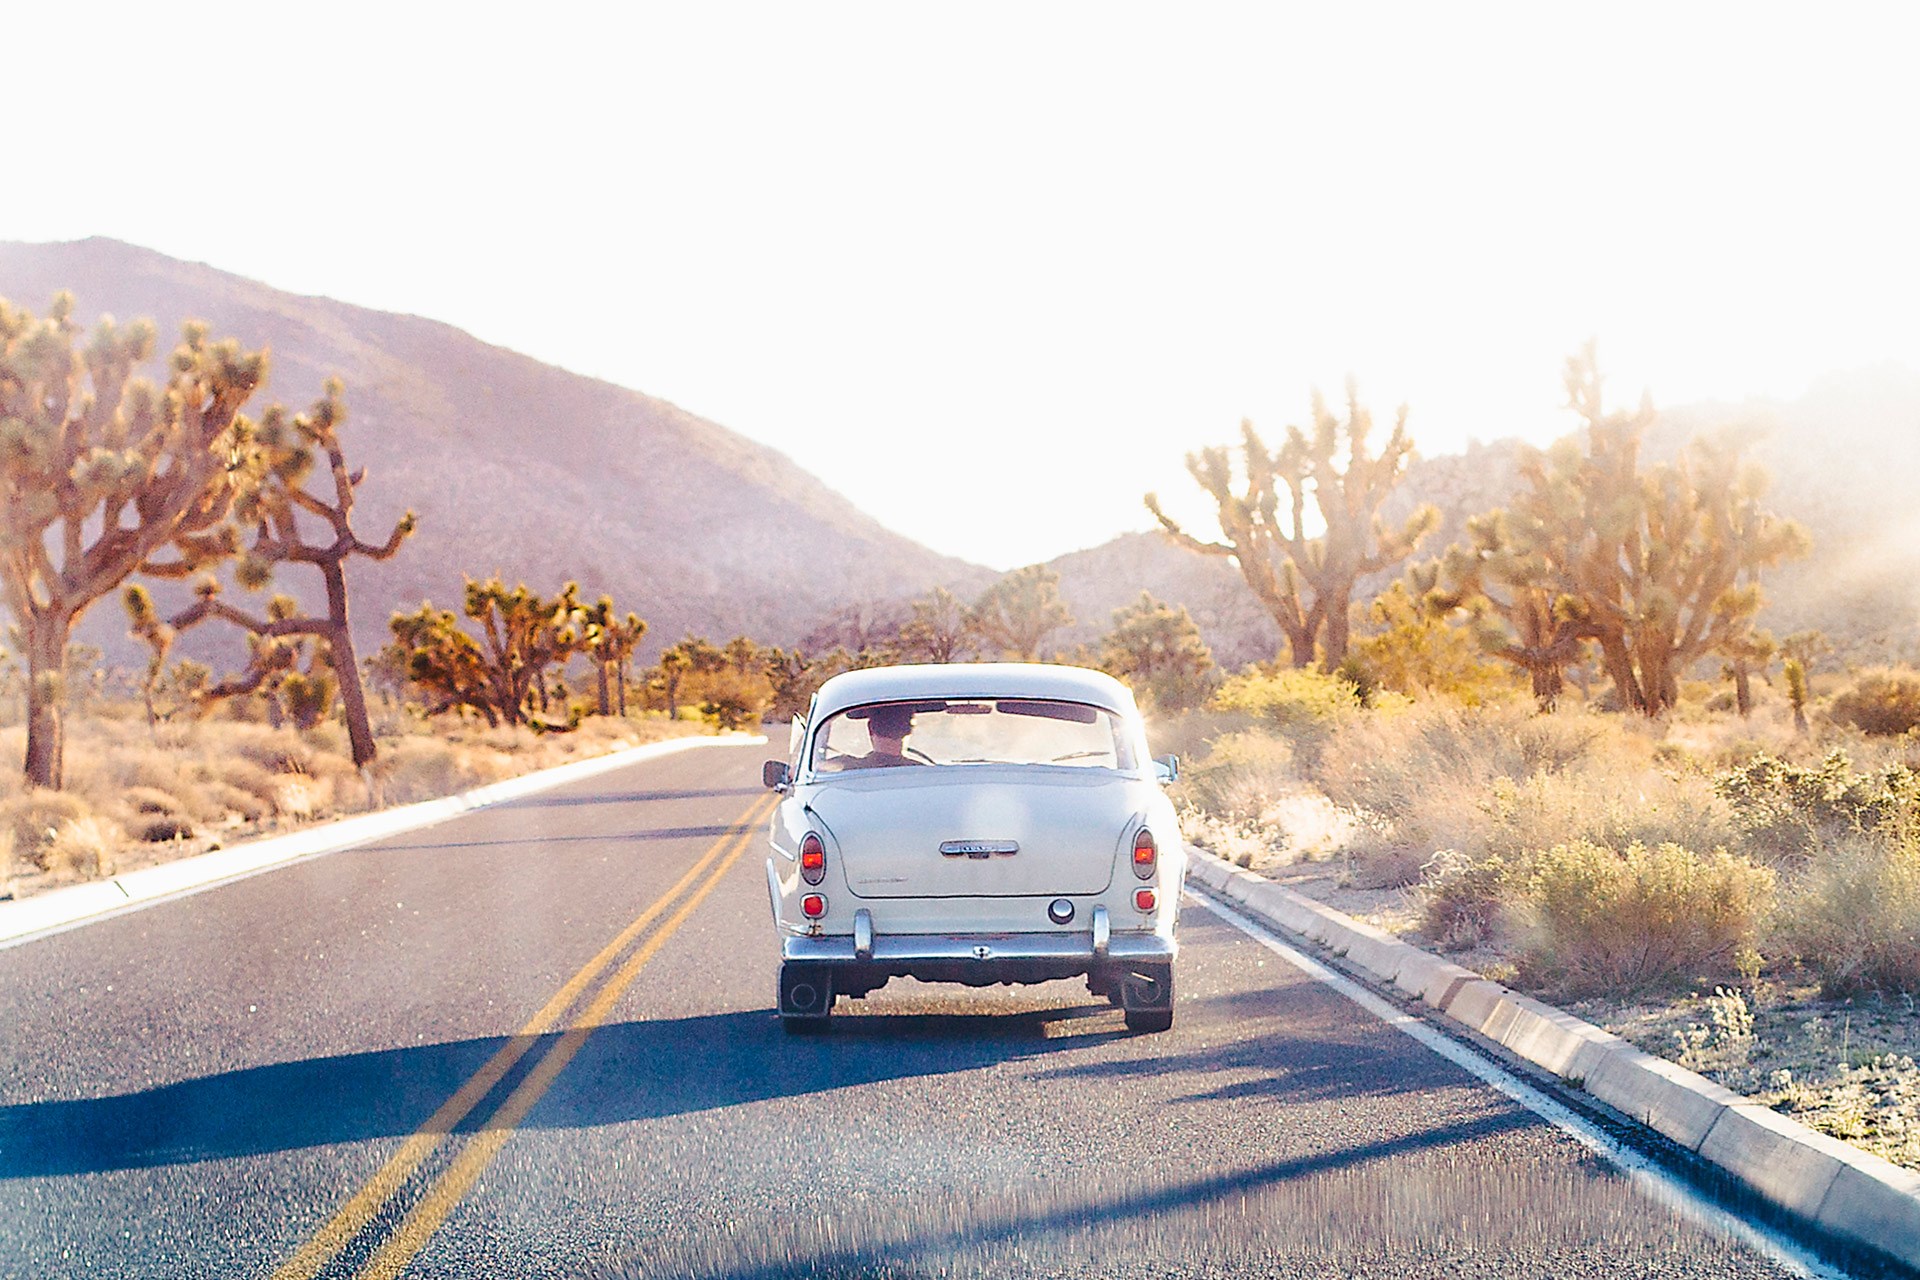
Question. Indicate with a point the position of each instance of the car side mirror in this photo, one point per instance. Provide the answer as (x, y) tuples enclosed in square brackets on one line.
[(1167, 768), (775, 774)]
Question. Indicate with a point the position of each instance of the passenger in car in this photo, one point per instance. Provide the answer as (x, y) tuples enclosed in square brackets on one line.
[(887, 729)]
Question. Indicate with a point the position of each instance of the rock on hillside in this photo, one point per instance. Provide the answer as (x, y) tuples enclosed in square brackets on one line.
[(516, 467)]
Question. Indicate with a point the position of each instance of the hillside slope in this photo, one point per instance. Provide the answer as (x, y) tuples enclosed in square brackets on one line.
[(516, 467)]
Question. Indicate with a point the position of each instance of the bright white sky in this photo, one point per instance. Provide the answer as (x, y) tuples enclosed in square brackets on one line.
[(991, 270)]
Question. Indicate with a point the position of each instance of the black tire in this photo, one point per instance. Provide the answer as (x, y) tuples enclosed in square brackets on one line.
[(1146, 994), (806, 997)]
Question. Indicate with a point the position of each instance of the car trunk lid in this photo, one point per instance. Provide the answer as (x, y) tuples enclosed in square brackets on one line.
[(978, 831)]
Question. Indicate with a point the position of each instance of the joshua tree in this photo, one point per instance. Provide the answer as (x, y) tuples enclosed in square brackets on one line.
[(1745, 657), (611, 641), (1656, 566), (275, 502), (521, 636), (1304, 580), (103, 474), (1503, 578), (1016, 614), (938, 631), (1157, 649)]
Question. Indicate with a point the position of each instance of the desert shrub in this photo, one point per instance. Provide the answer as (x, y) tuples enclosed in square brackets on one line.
[(1506, 782), (35, 818), (1387, 764), (1288, 696), (1463, 900), (1306, 705), (82, 848), (1787, 813), (241, 774), (426, 768), (149, 800), (1879, 702), (1853, 916), (223, 798), (1603, 920), (1241, 776), (158, 828)]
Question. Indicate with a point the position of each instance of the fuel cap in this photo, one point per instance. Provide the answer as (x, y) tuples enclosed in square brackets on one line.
[(1060, 911)]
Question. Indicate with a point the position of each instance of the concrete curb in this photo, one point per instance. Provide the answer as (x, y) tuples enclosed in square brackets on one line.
[(62, 908), (1855, 1196)]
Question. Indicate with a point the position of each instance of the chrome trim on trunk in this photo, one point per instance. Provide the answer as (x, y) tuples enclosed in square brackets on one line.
[(863, 934)]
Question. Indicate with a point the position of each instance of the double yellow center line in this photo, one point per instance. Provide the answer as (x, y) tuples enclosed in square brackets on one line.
[(446, 1191)]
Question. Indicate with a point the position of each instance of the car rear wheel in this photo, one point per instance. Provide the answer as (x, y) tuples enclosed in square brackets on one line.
[(1143, 1020), (1146, 994), (806, 997)]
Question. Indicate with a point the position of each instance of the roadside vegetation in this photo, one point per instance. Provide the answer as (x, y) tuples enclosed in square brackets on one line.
[(1551, 739), (195, 506), (1564, 752)]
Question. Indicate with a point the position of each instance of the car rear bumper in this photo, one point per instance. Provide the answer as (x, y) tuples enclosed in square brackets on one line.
[(978, 959)]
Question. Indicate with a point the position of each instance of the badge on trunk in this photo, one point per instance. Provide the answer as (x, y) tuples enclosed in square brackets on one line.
[(980, 848)]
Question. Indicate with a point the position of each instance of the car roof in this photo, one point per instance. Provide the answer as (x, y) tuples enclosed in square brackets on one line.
[(973, 680)]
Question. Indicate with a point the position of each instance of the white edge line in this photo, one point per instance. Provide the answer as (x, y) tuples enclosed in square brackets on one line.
[(1646, 1175), (60, 910)]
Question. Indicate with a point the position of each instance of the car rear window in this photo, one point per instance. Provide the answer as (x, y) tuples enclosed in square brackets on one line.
[(972, 731)]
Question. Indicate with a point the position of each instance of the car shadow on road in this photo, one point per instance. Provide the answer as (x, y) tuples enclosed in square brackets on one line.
[(624, 1072), (1283, 1049)]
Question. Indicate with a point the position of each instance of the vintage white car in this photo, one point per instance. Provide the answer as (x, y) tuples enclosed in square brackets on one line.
[(977, 823)]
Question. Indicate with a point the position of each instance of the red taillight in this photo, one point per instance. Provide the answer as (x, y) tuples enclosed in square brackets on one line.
[(813, 906), (1145, 854), (1145, 899), (813, 859)]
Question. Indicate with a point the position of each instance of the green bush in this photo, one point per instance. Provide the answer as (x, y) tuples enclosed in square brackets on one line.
[(1788, 813), (1308, 706), (1880, 702), (1291, 695), (1618, 922), (1853, 917)]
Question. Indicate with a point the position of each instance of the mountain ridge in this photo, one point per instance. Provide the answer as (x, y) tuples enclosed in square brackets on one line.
[(516, 467)]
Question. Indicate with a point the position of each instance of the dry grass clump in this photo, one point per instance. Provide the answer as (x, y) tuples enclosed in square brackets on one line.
[(132, 789), (1879, 702), (1241, 776), (82, 849), (1505, 782), (1622, 921), (1386, 764), (415, 769), (1853, 916), (33, 820)]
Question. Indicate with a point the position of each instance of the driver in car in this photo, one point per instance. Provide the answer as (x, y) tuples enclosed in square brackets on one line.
[(887, 729)]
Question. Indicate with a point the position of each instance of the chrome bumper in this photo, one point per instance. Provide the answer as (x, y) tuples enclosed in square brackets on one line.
[(985, 949)]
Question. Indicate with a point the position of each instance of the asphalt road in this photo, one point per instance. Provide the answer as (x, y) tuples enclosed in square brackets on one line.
[(278, 1078)]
